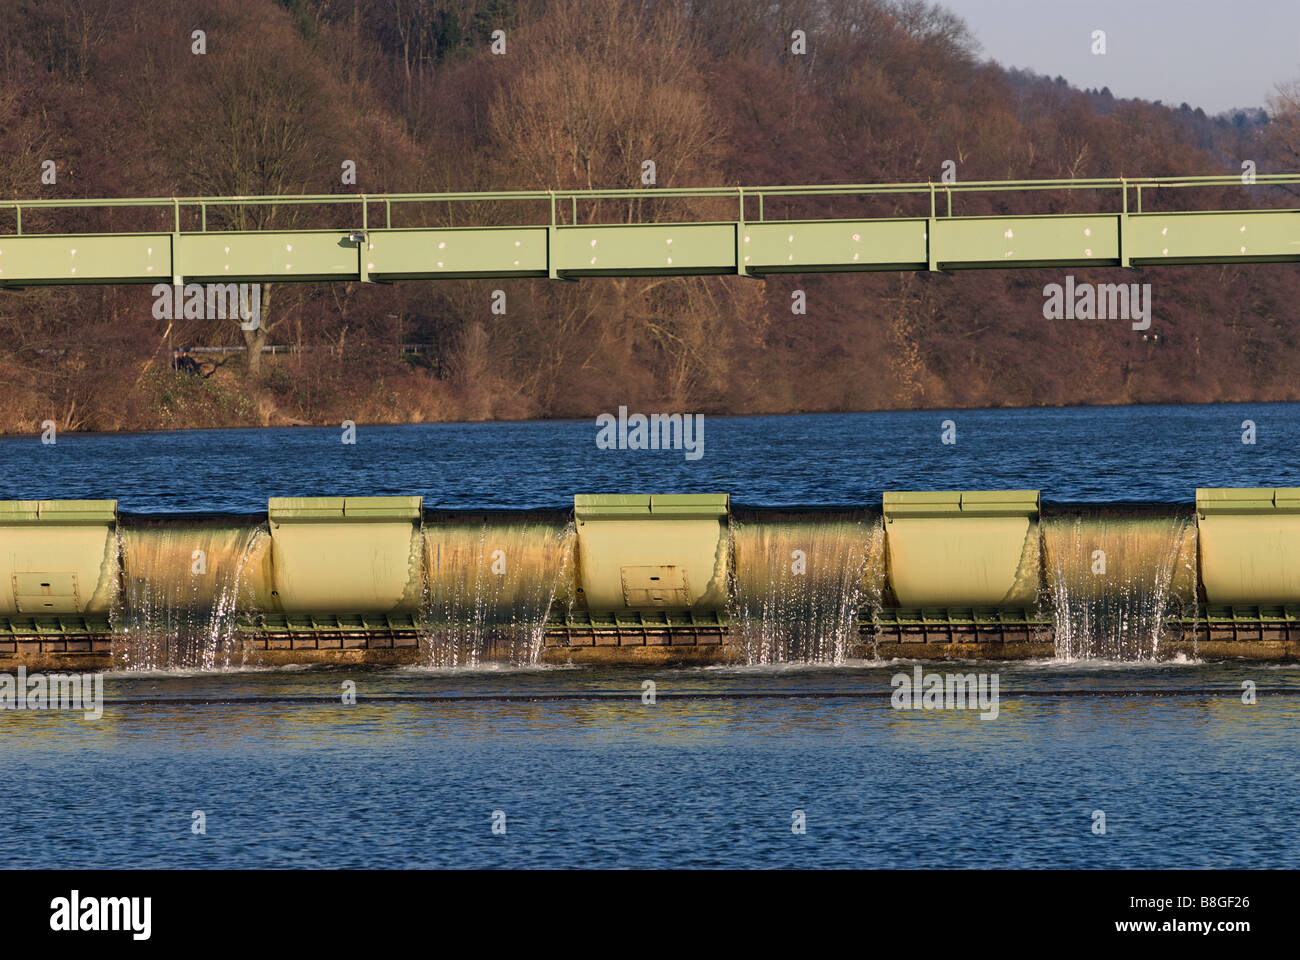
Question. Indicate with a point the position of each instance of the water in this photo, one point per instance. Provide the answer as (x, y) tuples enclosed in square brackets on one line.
[(1186, 781), (1115, 578), (709, 775), (183, 584), (491, 586), (1151, 453), (802, 583)]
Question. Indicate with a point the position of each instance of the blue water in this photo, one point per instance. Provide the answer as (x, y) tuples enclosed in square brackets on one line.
[(1197, 781), (710, 775), (1158, 453)]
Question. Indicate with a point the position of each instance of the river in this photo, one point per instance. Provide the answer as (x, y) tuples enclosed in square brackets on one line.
[(576, 769)]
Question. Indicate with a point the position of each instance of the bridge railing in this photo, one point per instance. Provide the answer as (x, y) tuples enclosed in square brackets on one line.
[(558, 208)]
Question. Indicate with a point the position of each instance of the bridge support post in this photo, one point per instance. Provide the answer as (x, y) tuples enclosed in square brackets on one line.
[(930, 261), (1123, 225), (363, 247), (741, 269), (551, 270), (178, 278)]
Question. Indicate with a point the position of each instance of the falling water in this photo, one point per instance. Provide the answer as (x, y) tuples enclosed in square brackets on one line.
[(491, 581), (182, 583), (1115, 578), (802, 581)]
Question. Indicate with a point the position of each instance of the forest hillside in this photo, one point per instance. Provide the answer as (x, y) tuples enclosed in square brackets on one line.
[(287, 91)]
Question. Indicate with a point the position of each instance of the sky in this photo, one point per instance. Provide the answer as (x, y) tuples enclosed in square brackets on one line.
[(1214, 54)]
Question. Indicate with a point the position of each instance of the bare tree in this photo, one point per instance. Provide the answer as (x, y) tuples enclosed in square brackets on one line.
[(259, 126)]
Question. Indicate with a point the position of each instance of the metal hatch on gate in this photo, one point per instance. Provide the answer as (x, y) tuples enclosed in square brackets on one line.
[(658, 586), (42, 592)]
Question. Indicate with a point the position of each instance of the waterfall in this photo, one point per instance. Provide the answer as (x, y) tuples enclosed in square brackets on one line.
[(802, 582), (182, 583), (1115, 576), (491, 582)]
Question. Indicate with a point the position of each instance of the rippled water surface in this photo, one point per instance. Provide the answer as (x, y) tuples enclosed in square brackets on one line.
[(1157, 453), (708, 775)]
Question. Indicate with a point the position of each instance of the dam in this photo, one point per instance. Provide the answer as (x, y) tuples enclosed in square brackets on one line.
[(651, 579)]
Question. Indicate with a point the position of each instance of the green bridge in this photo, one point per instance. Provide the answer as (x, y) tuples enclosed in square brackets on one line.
[(749, 231)]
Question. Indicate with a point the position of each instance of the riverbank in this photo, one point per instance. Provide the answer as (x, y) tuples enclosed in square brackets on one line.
[(298, 391)]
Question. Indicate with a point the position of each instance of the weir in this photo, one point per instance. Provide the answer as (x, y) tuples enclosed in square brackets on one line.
[(492, 581), (659, 579), (1120, 580), (182, 583), (803, 581)]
